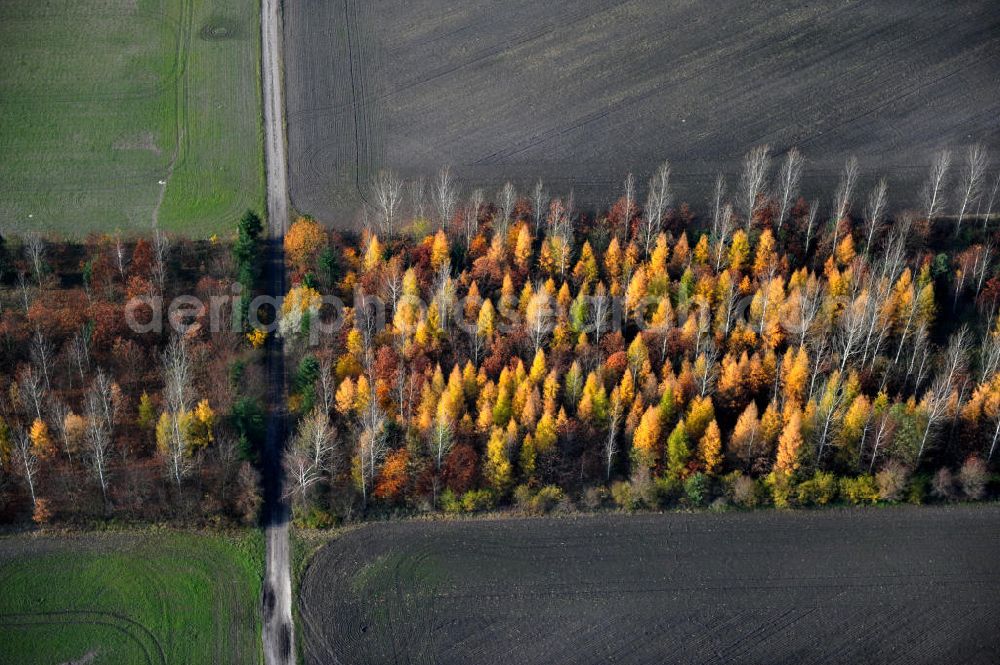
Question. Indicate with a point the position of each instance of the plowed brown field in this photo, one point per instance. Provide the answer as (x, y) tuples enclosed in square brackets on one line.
[(581, 92), (902, 585)]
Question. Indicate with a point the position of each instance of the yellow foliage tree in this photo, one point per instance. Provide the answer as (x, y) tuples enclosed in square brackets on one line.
[(746, 433), (498, 469), (522, 248), (373, 253), (41, 441), (75, 429), (256, 338), (795, 374), (739, 250), (344, 397), (362, 394), (845, 250), (700, 414), (646, 439), (303, 242), (701, 251), (545, 434), (790, 445), (586, 270), (710, 448), (203, 425), (439, 249), (636, 291), (613, 261), (765, 260)]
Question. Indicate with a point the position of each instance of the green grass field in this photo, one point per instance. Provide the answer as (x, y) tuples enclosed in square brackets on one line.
[(137, 597), (101, 101)]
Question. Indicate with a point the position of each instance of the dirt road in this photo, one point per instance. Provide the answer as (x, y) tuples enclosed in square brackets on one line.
[(278, 636)]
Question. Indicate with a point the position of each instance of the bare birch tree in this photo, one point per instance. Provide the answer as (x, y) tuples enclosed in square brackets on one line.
[(98, 438), (819, 345), (828, 412), (58, 411), (392, 282), (327, 383), (372, 447), (31, 389), (920, 350), (852, 327), (658, 200), (719, 194), (723, 229), (34, 247), (753, 182), (538, 317), (984, 260), (388, 195), (842, 199), (506, 200), (788, 183), (989, 355), (161, 251), (80, 355), (310, 452), (811, 223), (937, 397), (996, 437), (444, 295), (178, 396), (810, 298), (415, 189), (27, 461), (875, 212), (301, 474), (470, 218), (629, 199), (616, 410), (105, 395), (880, 436), (706, 373), (445, 197), (26, 291), (970, 185), (43, 356), (935, 404), (539, 200), (441, 442), (934, 188), (599, 312), (120, 259), (990, 201)]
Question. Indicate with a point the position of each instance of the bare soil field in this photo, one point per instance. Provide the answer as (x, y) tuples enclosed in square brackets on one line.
[(913, 585), (578, 93)]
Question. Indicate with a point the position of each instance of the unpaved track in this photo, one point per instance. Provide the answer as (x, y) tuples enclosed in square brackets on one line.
[(278, 635)]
